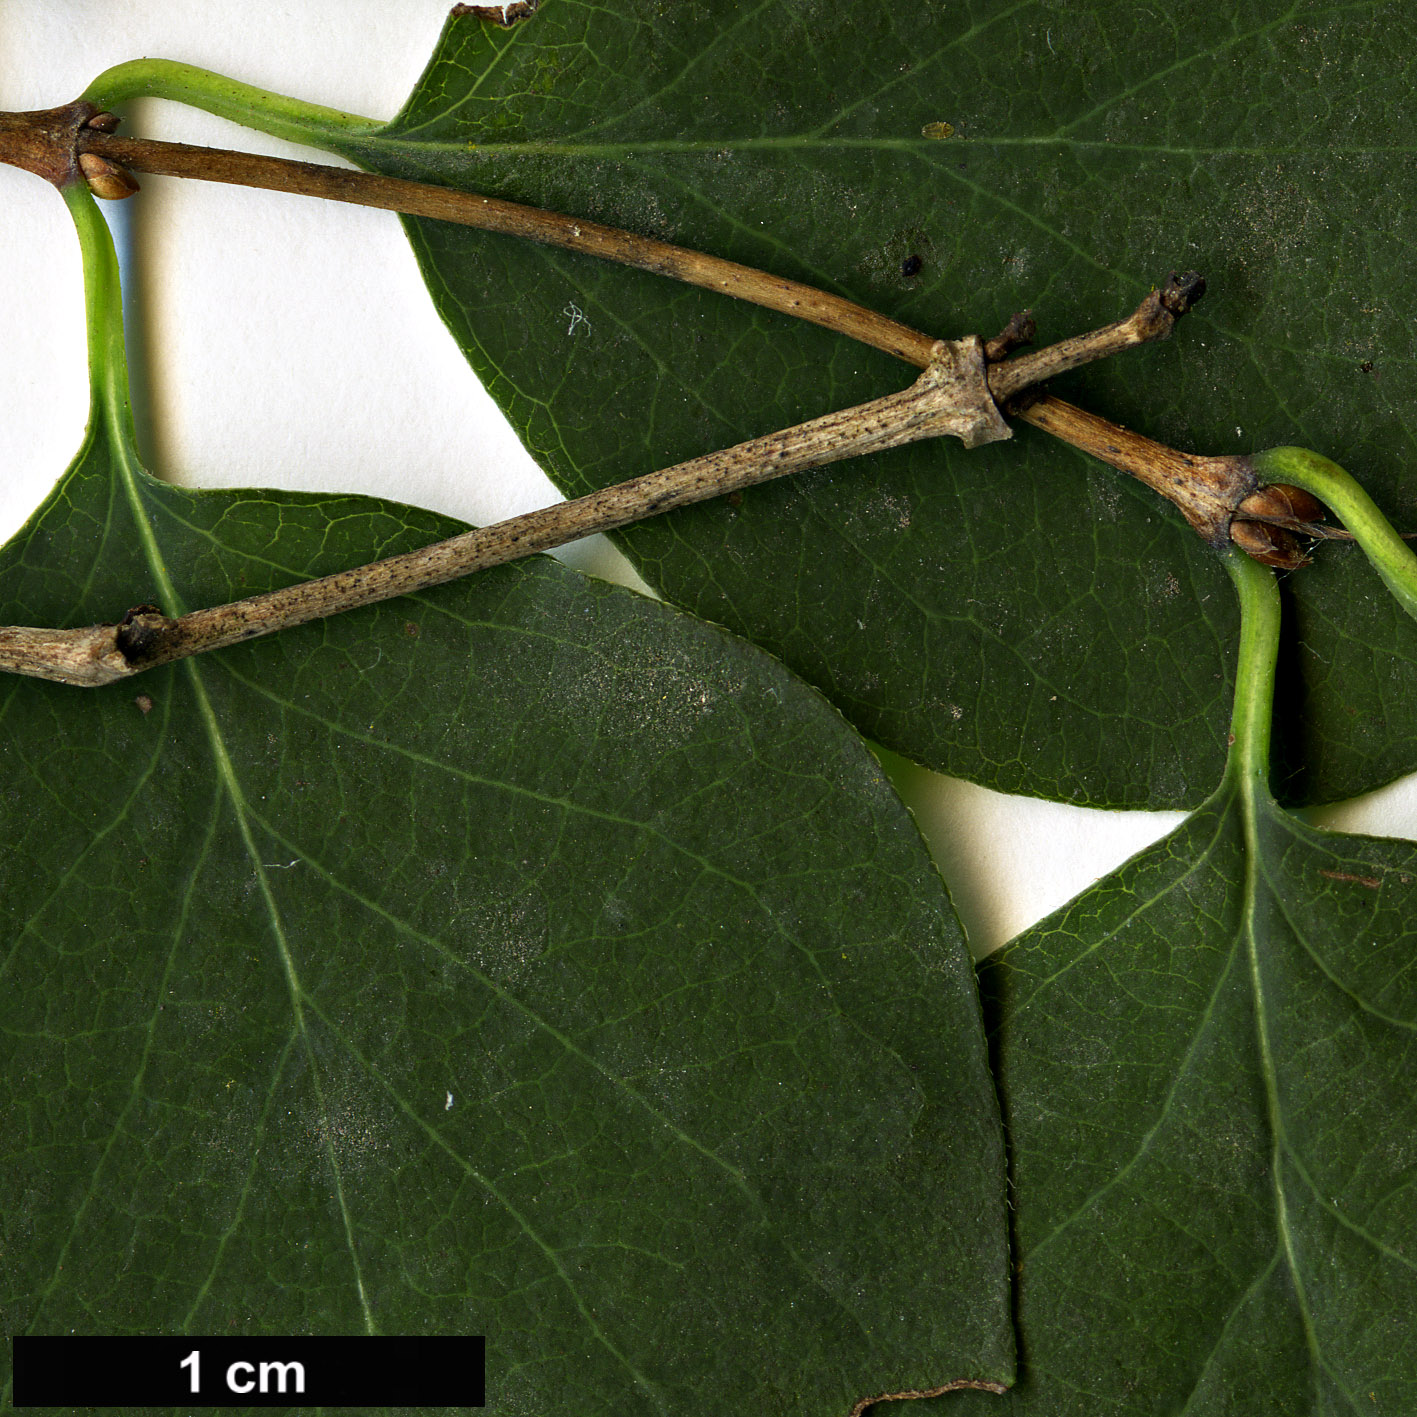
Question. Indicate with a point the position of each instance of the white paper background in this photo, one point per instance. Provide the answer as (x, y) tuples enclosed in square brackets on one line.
[(277, 341)]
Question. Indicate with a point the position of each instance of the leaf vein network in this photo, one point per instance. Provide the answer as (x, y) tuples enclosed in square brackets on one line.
[(154, 1017), (241, 811), (569, 807), (1142, 905), (1346, 1221), (100, 834), (1157, 75), (738, 1179), (548, 1251), (1281, 900), (1143, 1146)]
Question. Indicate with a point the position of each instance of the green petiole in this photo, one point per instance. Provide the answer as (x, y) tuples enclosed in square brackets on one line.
[(1254, 676), (1392, 558), (267, 112)]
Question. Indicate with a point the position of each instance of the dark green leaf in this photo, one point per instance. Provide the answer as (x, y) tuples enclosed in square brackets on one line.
[(1013, 614), (1206, 1064), (1208, 1084), (525, 957)]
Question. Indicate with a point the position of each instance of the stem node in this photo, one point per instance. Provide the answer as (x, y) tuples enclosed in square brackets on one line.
[(46, 141)]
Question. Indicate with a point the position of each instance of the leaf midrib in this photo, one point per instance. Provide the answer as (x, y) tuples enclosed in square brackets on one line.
[(132, 477), (1255, 802), (802, 142), (134, 480)]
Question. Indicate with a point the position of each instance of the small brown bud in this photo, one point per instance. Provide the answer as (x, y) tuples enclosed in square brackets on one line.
[(104, 122), (1271, 545), (106, 179), (1281, 502)]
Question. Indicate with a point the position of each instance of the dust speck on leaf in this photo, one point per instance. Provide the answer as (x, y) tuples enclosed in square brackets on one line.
[(1104, 495), (576, 315), (508, 937), (144, 703), (1165, 587)]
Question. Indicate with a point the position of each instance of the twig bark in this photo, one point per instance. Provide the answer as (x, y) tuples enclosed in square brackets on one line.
[(46, 141), (1152, 320), (950, 397), (1207, 490), (1221, 497), (590, 238), (57, 143)]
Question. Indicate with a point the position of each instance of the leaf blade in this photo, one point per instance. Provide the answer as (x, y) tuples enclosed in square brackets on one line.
[(1203, 1083), (955, 543), (498, 959)]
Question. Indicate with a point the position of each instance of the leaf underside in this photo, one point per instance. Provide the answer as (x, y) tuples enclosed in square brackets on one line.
[(1015, 615), (523, 958), (1206, 1064)]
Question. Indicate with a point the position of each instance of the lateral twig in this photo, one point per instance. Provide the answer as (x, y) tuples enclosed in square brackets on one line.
[(1152, 320), (590, 238), (1206, 489), (948, 398), (1224, 498)]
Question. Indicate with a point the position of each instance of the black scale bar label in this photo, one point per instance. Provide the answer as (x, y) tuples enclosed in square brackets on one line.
[(249, 1372)]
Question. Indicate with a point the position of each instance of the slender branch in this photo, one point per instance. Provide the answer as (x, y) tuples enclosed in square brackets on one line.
[(1231, 500), (591, 238), (950, 397), (62, 143), (1152, 320), (1220, 497), (46, 142), (1206, 489)]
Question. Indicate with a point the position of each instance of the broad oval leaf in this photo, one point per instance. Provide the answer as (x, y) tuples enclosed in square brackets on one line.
[(1205, 1063), (1206, 1067), (523, 958), (1013, 614)]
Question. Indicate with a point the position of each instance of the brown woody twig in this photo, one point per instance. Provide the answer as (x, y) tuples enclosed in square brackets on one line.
[(959, 393), (1152, 320), (948, 398)]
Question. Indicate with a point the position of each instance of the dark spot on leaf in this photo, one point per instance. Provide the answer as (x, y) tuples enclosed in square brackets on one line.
[(411, 630), (1366, 366), (903, 255), (735, 499)]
